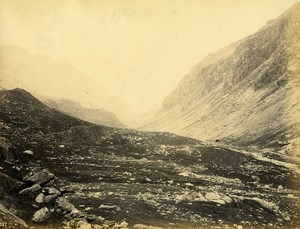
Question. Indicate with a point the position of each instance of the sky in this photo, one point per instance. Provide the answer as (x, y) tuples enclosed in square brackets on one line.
[(137, 50)]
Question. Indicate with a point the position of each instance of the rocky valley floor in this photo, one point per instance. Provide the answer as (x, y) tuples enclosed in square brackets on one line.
[(57, 171)]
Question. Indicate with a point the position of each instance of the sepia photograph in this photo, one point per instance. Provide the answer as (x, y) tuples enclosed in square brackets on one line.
[(149, 114)]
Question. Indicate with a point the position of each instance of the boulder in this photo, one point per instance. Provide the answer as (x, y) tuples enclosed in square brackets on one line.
[(41, 177), (31, 191), (41, 215), (50, 198), (52, 191), (10, 220), (62, 203), (40, 198)]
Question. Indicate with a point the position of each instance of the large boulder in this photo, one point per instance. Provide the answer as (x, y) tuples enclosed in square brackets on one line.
[(41, 215), (40, 198), (40, 177), (10, 220)]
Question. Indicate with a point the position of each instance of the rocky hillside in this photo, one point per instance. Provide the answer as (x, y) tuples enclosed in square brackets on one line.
[(97, 116), (244, 94), (57, 171)]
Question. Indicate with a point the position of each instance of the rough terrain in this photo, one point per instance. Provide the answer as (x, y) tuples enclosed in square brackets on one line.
[(60, 171)]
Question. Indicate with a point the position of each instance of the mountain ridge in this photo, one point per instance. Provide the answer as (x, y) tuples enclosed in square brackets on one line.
[(72, 108), (240, 94)]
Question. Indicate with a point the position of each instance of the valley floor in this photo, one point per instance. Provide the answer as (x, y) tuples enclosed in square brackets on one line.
[(163, 180)]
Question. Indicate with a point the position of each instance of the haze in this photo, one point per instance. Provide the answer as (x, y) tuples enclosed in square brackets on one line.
[(137, 50)]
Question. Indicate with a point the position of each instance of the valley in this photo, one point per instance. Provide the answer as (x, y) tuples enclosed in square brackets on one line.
[(113, 176)]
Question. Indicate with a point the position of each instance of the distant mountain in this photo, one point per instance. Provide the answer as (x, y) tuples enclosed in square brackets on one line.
[(20, 108), (44, 75), (244, 94), (69, 107)]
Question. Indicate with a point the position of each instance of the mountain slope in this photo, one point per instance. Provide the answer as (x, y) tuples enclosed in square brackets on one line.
[(80, 173), (97, 116), (20, 108), (242, 93)]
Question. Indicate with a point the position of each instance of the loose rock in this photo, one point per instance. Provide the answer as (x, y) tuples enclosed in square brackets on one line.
[(41, 215), (31, 191), (64, 204), (41, 177)]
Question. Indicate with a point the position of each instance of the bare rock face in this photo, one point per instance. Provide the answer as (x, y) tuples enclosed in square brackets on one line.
[(10, 220), (242, 94), (41, 215)]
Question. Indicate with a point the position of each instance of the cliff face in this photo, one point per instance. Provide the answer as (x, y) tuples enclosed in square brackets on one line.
[(243, 93)]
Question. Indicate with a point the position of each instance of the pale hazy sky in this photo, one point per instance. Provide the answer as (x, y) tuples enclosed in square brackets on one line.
[(137, 49)]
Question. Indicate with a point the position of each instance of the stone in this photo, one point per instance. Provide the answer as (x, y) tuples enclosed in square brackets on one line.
[(41, 177), (40, 198), (41, 215), (29, 152), (123, 224), (10, 220), (52, 191), (31, 191), (50, 198), (212, 196), (110, 207), (227, 199), (62, 203)]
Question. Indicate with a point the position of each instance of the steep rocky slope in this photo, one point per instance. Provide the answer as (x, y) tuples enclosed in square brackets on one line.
[(97, 116), (244, 94), (58, 171)]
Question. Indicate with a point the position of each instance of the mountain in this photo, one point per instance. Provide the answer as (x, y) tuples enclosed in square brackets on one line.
[(49, 77), (58, 171), (20, 108), (245, 94), (69, 107)]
